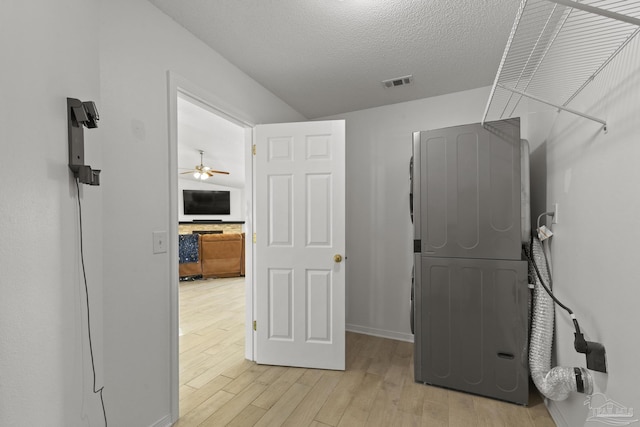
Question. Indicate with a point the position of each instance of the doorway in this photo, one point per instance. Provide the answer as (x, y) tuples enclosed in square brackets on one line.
[(311, 157), (185, 97)]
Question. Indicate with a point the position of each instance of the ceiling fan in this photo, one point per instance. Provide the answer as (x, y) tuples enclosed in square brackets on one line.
[(203, 172)]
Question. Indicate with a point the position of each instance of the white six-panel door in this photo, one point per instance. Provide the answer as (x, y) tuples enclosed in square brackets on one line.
[(300, 244)]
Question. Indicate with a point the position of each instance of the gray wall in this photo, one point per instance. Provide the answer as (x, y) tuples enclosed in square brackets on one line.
[(138, 44), (594, 177), (48, 54), (116, 53), (379, 230)]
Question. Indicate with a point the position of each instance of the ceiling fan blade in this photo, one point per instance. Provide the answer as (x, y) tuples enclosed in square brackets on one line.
[(211, 171), (190, 171)]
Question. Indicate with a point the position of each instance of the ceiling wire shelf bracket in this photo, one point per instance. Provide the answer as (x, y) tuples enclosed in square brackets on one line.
[(556, 48), (559, 107), (598, 11)]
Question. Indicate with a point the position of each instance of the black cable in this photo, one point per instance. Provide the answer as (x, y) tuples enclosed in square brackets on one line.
[(556, 300), (86, 293), (544, 285), (580, 343)]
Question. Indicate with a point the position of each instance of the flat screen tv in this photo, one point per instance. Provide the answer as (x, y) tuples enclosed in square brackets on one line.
[(205, 202)]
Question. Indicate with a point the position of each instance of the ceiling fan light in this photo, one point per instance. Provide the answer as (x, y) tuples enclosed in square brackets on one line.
[(204, 176), (196, 175)]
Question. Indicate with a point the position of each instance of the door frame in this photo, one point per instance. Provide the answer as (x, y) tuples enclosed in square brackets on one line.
[(178, 84)]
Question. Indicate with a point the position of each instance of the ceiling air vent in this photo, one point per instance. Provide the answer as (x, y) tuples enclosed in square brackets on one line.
[(398, 81)]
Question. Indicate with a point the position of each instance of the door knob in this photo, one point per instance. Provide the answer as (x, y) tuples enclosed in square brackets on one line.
[(337, 258)]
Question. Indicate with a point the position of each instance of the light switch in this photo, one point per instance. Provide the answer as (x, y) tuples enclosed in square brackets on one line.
[(160, 242)]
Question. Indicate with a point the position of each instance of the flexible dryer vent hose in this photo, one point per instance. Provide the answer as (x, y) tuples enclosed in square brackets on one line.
[(556, 383)]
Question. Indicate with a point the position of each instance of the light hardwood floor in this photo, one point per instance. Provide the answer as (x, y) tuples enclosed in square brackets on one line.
[(218, 387)]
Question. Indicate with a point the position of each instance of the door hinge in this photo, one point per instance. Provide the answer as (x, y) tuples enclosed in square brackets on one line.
[(255, 325), (254, 238), (253, 149)]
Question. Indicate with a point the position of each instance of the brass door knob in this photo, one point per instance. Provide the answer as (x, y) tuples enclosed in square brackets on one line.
[(337, 258)]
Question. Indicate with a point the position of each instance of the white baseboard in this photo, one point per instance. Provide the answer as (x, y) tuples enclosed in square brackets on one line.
[(555, 413), (379, 332), (163, 422)]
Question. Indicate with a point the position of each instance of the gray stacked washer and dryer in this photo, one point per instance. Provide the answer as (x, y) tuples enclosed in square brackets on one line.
[(470, 294)]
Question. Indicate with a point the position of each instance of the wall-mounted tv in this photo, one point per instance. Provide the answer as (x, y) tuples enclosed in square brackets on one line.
[(204, 202)]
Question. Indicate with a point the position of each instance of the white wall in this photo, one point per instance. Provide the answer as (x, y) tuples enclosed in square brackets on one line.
[(535, 128), (379, 229), (49, 53), (236, 201), (45, 366), (594, 177), (138, 45)]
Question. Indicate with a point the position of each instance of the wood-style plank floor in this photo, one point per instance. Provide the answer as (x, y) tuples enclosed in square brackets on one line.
[(218, 387)]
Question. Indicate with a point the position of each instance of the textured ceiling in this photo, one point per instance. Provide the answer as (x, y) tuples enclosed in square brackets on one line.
[(325, 57)]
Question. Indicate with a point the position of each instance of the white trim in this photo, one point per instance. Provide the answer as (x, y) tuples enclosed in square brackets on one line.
[(174, 317), (400, 336), (555, 413), (175, 84), (213, 102), (163, 422), (251, 290), (248, 247)]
